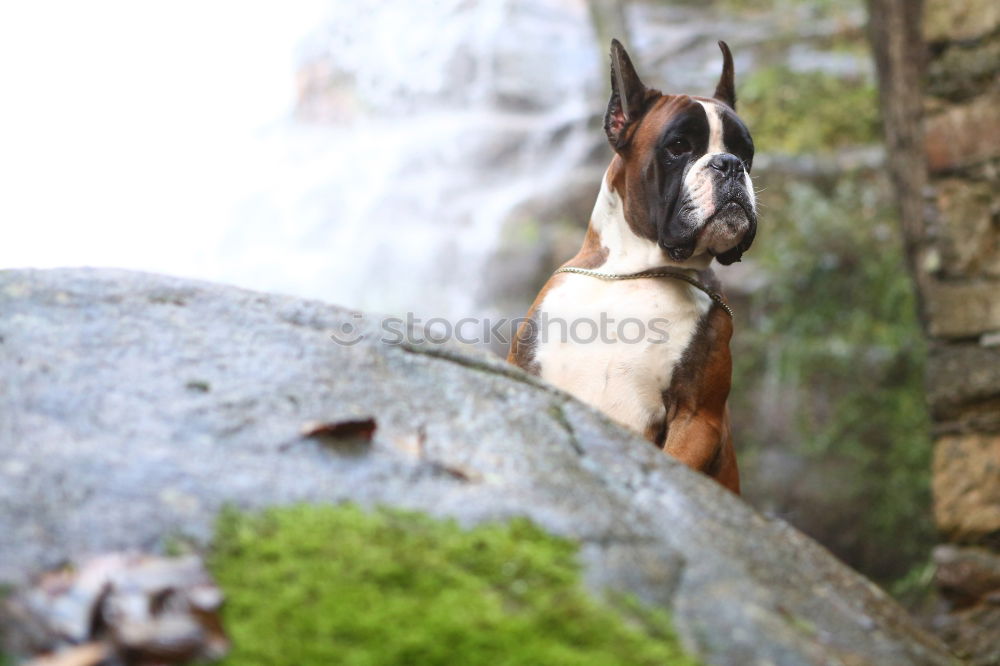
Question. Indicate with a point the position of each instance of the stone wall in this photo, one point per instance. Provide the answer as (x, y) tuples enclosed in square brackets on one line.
[(939, 70), (962, 262)]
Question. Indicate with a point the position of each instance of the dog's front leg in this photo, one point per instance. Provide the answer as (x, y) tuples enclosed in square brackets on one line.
[(701, 440)]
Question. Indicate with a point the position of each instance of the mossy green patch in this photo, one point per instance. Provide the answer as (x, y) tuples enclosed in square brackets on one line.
[(322, 585), (800, 112)]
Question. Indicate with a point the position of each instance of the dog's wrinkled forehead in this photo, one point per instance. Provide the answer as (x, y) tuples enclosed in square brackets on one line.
[(705, 125), (689, 122)]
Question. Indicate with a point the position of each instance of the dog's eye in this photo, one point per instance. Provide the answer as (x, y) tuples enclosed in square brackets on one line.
[(678, 147)]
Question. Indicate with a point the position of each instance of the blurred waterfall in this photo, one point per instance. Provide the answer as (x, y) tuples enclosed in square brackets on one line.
[(413, 155), (420, 127)]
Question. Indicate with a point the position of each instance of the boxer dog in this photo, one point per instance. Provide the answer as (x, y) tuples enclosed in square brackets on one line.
[(676, 196)]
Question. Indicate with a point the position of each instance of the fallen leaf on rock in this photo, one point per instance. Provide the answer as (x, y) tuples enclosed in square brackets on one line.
[(120, 608), (459, 472), (414, 445), (362, 429)]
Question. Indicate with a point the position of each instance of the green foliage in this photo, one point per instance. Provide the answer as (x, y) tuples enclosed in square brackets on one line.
[(323, 585), (5, 591), (837, 324), (916, 589), (795, 112), (828, 375)]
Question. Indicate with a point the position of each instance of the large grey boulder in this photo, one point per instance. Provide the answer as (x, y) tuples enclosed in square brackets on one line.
[(133, 406)]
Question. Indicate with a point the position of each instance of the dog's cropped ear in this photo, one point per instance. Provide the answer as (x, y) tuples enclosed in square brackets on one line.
[(735, 254), (725, 91), (628, 97)]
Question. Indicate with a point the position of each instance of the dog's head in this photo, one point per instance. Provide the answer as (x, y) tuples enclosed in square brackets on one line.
[(684, 175)]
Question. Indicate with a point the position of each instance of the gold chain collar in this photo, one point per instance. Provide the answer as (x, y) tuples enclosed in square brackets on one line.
[(652, 273)]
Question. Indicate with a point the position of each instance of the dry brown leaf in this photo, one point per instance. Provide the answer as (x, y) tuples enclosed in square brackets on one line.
[(355, 429)]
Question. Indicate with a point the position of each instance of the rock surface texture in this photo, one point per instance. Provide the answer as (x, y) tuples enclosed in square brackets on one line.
[(134, 406)]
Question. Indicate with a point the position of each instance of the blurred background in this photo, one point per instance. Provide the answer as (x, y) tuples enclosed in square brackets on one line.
[(443, 157)]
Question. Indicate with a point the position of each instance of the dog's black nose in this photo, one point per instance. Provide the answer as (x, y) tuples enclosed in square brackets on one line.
[(727, 163)]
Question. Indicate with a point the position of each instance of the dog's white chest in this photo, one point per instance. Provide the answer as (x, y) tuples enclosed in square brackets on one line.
[(642, 328)]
